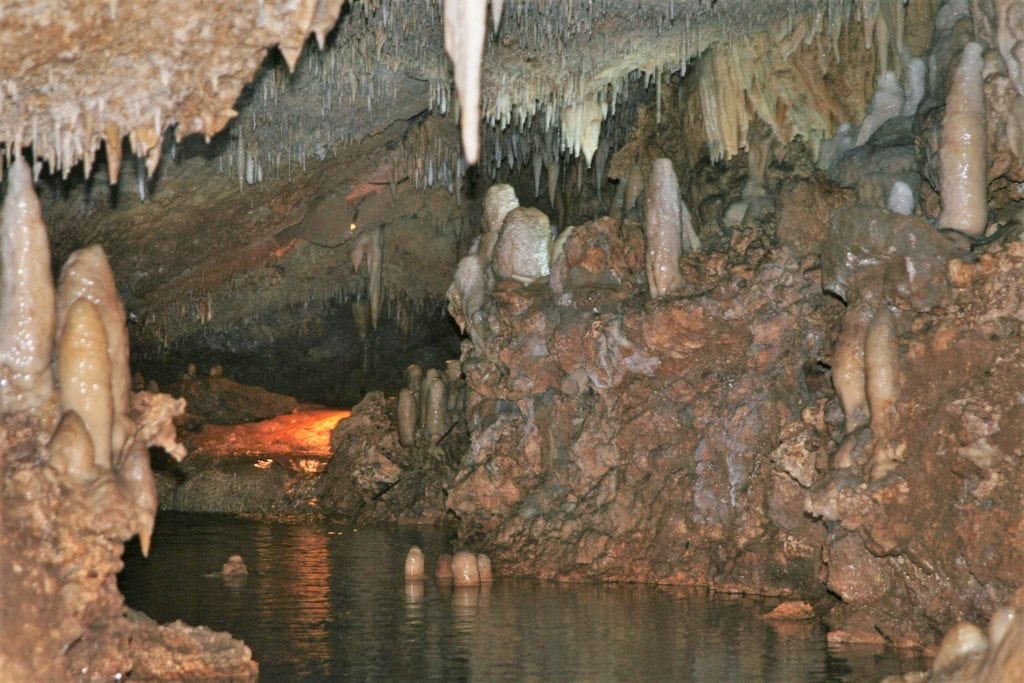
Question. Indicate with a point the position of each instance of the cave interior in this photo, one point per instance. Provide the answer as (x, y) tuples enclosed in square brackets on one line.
[(699, 292)]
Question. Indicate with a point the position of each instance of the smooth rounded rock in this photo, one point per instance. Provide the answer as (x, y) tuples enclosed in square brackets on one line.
[(415, 563)]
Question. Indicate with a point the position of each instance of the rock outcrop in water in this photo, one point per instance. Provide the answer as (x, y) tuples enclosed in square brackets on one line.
[(372, 477), (699, 439), (620, 438)]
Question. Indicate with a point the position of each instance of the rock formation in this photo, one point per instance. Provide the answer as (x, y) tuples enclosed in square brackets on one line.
[(77, 487)]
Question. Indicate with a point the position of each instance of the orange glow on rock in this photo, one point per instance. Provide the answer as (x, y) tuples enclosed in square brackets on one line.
[(306, 432)]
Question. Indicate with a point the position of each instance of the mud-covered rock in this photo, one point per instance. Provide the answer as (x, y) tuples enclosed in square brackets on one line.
[(633, 437), (940, 538), (219, 400), (372, 477)]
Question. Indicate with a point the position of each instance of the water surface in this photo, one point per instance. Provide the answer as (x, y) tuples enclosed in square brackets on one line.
[(327, 602)]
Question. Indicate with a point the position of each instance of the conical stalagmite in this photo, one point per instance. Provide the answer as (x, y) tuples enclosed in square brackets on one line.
[(87, 275), (84, 373), (26, 300)]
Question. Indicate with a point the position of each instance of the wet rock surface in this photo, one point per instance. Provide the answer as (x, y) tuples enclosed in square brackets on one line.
[(939, 538), (625, 439), (372, 477), (698, 438)]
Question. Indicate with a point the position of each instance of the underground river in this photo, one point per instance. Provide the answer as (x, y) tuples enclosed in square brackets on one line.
[(326, 601)]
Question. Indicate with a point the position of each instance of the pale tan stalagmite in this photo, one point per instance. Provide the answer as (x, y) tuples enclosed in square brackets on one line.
[(454, 383), (848, 373), (437, 408), (881, 361), (523, 249), (498, 201), (886, 103), (962, 170), (430, 376), (26, 300), (1010, 39), (663, 229), (407, 410), (483, 563), (634, 188), (70, 449), (465, 26), (1004, 662), (443, 568), (84, 372), (235, 566), (882, 369), (415, 564), (999, 624), (87, 275), (468, 289), (962, 640), (135, 476), (558, 246), (465, 570), (691, 242), (413, 377), (453, 370)]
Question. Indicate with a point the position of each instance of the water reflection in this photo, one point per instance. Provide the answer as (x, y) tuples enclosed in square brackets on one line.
[(330, 603)]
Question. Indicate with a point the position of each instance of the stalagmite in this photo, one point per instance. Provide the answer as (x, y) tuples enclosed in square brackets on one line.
[(437, 408), (901, 199), (886, 103), (499, 200), (87, 275), (663, 230), (1000, 623), (424, 396), (962, 640), (26, 307), (524, 246), (467, 292), (465, 26), (71, 451), (407, 410), (465, 570), (1010, 39), (415, 564), (915, 73), (881, 363), (634, 188), (962, 170), (483, 563), (413, 377), (691, 242), (443, 568), (84, 372), (848, 373), (558, 246), (136, 478), (455, 384)]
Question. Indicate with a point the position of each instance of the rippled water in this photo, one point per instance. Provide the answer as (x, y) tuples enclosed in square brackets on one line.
[(327, 602)]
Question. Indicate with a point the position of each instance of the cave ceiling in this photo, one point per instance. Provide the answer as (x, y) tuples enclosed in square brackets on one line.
[(227, 153)]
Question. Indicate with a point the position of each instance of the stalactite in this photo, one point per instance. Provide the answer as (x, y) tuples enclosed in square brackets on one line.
[(465, 26)]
